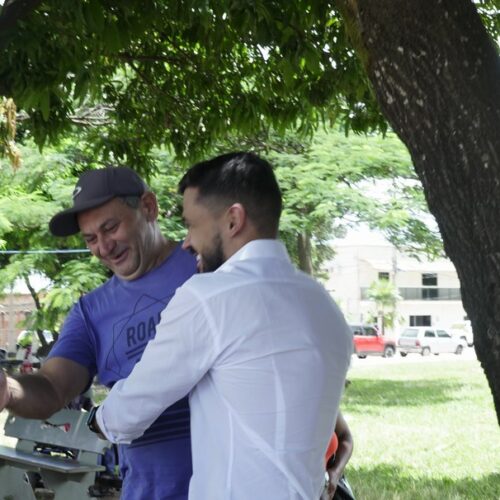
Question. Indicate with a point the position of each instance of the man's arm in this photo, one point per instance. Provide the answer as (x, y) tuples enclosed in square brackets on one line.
[(182, 351), (336, 467), (41, 394)]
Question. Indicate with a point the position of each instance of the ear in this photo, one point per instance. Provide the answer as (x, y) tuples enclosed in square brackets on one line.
[(236, 219), (149, 206)]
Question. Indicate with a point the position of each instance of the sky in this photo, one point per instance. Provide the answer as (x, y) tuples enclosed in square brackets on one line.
[(38, 282)]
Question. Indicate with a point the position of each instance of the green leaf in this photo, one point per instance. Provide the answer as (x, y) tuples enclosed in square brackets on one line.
[(44, 103), (94, 16), (111, 37), (312, 60)]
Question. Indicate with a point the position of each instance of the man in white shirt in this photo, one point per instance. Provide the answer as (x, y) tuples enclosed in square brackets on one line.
[(260, 347)]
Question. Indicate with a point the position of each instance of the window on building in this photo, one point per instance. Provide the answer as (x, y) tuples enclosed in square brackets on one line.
[(430, 293), (383, 276), (420, 320), (429, 279)]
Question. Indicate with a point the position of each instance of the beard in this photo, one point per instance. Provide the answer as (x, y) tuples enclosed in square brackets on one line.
[(213, 258)]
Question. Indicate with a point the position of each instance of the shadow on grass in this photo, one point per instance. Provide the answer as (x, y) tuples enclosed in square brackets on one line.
[(389, 482), (364, 393)]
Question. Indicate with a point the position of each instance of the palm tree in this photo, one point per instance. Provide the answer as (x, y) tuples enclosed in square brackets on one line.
[(385, 295)]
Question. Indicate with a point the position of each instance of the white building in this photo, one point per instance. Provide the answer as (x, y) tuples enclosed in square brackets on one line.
[(430, 291)]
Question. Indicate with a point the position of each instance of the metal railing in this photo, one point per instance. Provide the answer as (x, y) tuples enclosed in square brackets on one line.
[(423, 293)]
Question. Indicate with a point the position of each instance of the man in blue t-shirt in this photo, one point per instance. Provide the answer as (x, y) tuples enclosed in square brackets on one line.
[(107, 330)]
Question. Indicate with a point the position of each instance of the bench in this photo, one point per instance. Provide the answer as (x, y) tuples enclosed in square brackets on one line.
[(61, 449)]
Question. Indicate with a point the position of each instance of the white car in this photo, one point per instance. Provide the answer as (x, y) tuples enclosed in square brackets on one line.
[(463, 331), (426, 339)]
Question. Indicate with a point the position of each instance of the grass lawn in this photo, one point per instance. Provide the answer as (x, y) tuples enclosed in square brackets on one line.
[(422, 431)]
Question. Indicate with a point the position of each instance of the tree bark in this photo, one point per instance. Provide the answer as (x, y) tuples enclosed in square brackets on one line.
[(304, 253), (436, 75), (38, 305)]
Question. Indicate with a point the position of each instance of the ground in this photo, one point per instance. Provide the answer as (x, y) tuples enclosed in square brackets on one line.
[(389, 394)]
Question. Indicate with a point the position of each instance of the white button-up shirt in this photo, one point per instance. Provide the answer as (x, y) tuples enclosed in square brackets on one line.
[(263, 352)]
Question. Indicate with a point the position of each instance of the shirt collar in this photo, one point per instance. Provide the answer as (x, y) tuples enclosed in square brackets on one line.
[(263, 249)]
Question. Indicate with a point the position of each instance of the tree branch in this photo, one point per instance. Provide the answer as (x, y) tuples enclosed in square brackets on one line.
[(94, 116), (33, 292), (127, 56)]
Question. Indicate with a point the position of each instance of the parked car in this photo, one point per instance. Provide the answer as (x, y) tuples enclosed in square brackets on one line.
[(464, 331), (425, 339), (368, 341)]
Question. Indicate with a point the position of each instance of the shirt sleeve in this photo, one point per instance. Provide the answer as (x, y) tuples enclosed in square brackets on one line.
[(172, 364), (75, 341)]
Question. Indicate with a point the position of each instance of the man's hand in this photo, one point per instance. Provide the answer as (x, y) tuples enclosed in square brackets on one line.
[(39, 395), (4, 391)]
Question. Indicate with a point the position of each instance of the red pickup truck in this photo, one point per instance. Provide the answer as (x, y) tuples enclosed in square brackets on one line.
[(368, 341)]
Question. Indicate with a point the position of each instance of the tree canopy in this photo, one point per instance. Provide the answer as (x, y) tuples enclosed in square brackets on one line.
[(180, 73), (354, 169)]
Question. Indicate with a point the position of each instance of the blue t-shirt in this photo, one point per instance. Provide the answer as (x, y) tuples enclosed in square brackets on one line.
[(106, 331)]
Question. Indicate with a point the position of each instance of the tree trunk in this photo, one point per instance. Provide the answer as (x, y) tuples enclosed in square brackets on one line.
[(304, 253), (381, 322), (38, 305), (436, 75)]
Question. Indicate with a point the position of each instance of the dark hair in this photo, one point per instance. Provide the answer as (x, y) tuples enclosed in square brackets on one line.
[(239, 178)]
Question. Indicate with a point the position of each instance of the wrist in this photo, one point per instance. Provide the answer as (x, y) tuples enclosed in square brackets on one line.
[(92, 421), (334, 476)]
